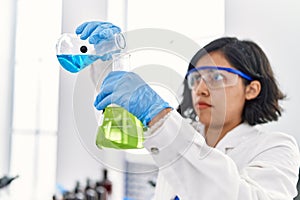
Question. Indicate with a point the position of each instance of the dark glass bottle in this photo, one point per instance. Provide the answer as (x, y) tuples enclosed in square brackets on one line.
[(88, 185), (101, 192), (78, 193), (6, 180), (106, 183), (90, 193)]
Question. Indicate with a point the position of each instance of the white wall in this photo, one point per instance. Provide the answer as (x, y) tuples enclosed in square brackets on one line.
[(274, 25)]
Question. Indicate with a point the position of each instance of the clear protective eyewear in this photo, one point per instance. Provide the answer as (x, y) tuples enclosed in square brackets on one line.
[(214, 76)]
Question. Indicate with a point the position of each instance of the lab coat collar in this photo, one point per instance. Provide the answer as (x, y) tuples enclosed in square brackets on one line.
[(240, 134)]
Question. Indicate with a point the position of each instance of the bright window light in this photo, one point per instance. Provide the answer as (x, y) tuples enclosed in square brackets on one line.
[(35, 113), (193, 18)]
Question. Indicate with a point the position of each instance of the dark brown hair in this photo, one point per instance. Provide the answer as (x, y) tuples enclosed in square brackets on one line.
[(249, 58)]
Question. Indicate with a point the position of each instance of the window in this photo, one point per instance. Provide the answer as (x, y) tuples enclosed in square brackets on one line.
[(195, 19), (35, 99)]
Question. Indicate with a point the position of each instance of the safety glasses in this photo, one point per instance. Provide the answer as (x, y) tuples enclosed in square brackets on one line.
[(214, 76)]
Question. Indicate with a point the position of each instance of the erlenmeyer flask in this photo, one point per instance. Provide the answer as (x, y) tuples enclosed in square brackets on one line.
[(74, 54), (120, 129)]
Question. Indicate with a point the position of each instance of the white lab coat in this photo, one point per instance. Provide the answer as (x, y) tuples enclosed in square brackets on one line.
[(247, 164)]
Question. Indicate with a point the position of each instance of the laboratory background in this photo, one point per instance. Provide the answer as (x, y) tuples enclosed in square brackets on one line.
[(41, 152)]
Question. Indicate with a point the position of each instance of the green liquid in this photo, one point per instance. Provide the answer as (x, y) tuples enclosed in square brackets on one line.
[(120, 130)]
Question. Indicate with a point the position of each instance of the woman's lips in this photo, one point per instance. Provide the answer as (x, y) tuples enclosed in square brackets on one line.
[(202, 105)]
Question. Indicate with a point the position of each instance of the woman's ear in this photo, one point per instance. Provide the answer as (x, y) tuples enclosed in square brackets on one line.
[(252, 90)]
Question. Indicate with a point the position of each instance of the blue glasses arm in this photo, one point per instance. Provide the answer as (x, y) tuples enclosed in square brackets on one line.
[(234, 71)]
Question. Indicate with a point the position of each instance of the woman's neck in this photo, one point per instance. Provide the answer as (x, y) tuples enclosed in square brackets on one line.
[(214, 134)]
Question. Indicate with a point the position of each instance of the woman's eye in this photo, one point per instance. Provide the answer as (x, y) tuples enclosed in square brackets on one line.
[(196, 79), (217, 77)]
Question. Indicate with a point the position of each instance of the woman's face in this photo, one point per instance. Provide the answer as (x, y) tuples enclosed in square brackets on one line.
[(218, 107)]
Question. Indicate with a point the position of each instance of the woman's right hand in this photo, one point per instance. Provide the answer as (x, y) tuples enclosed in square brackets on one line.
[(97, 31), (131, 92)]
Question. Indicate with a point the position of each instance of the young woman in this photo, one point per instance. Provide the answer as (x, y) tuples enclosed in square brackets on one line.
[(229, 88)]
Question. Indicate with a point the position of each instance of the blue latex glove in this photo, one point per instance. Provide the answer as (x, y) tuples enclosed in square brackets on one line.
[(129, 91), (97, 32)]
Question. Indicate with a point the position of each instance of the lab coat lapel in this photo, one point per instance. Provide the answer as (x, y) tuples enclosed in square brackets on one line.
[(237, 136)]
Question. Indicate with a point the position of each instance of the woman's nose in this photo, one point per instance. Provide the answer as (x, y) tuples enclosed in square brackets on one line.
[(201, 88)]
